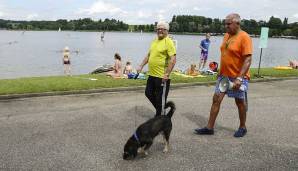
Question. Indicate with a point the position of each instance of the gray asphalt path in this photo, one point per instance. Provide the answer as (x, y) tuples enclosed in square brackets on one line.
[(88, 132)]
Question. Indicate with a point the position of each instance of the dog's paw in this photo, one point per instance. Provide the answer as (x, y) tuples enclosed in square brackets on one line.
[(144, 153), (166, 149), (141, 151)]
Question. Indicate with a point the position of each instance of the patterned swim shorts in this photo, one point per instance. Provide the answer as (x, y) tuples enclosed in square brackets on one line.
[(204, 55)]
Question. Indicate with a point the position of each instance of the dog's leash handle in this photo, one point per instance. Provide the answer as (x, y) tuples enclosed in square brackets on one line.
[(163, 97)]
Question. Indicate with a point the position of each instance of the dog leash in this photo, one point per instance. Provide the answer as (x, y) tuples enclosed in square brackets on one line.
[(163, 97), (246, 101), (136, 108), (136, 137)]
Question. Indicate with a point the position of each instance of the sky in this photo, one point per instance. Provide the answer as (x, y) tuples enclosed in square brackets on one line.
[(146, 11)]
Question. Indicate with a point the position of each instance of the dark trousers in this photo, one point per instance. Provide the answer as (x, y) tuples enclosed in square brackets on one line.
[(154, 91)]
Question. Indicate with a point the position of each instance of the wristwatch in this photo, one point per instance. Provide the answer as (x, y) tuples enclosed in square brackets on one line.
[(240, 79)]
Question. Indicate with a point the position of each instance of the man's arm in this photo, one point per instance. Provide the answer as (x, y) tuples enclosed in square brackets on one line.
[(170, 67), (246, 65), (244, 69), (202, 48), (144, 62)]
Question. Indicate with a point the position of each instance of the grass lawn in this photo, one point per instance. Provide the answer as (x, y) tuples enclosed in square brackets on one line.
[(85, 82)]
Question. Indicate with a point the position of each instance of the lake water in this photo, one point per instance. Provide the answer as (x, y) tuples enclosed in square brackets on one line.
[(39, 53)]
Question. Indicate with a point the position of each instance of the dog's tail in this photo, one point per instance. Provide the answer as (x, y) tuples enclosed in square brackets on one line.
[(172, 110)]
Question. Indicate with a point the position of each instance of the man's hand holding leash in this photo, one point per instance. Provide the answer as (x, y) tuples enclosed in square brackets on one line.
[(165, 77)]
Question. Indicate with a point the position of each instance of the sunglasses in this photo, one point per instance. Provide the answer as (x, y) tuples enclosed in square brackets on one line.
[(162, 29), (228, 23)]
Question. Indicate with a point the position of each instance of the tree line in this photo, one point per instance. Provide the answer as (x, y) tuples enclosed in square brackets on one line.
[(201, 24), (178, 24), (80, 24)]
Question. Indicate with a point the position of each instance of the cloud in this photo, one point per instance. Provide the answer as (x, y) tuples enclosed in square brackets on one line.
[(196, 9), (161, 15), (201, 9), (146, 11), (1, 10), (31, 16), (174, 5), (101, 7), (143, 14)]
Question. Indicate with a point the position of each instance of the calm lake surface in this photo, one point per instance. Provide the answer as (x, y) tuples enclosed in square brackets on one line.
[(39, 53)]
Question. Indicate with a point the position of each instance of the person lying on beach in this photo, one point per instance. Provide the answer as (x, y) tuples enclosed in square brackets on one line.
[(293, 64)]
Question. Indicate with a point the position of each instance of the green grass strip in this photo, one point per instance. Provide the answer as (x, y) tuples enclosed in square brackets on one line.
[(85, 82)]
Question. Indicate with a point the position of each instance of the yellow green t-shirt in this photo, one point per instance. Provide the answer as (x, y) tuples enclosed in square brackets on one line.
[(160, 53)]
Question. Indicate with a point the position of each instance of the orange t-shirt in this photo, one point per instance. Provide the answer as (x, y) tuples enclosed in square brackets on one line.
[(233, 51)]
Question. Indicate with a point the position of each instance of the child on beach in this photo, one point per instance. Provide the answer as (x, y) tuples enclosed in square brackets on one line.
[(128, 68)]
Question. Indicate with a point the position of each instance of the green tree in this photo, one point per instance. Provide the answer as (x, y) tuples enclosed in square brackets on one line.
[(285, 23), (295, 31), (287, 32), (174, 26), (274, 23), (192, 27)]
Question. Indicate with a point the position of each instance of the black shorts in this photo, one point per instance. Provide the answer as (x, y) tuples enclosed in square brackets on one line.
[(66, 62)]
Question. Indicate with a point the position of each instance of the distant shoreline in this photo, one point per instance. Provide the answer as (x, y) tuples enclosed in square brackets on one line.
[(173, 33)]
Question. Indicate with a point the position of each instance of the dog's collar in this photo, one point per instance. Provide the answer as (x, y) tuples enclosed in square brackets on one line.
[(136, 137)]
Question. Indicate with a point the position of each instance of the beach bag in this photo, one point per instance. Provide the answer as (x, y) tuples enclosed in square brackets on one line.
[(131, 75)]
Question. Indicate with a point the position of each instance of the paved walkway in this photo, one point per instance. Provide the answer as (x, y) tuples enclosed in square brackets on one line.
[(88, 132)]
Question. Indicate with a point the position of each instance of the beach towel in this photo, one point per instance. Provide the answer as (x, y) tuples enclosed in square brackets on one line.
[(188, 76)]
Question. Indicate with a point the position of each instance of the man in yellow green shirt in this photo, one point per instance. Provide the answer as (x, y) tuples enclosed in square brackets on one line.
[(161, 60)]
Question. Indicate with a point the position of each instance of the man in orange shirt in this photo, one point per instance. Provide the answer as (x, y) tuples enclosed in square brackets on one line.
[(236, 56)]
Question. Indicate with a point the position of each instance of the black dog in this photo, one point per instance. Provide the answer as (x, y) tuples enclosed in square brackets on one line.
[(145, 133)]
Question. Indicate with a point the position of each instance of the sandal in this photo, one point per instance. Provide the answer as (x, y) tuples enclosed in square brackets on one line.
[(240, 132), (204, 131)]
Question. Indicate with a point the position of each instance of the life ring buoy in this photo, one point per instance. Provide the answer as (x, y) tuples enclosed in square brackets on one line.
[(213, 66)]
